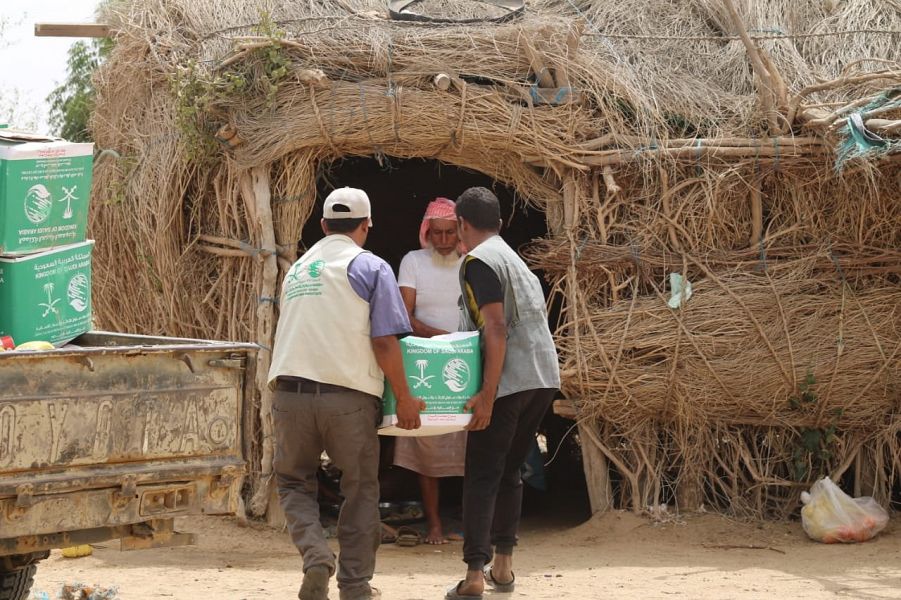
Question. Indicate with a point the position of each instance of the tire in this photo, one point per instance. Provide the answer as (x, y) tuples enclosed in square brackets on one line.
[(15, 585)]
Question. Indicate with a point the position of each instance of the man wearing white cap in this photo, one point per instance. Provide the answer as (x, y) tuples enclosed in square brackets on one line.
[(336, 343)]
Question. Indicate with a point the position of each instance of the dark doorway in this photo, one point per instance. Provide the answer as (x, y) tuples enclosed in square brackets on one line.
[(399, 191)]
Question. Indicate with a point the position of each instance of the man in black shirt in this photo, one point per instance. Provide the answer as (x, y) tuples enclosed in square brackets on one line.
[(502, 299)]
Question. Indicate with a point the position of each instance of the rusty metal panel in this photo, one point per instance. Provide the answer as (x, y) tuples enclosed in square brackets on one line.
[(162, 399), (92, 508), (73, 479)]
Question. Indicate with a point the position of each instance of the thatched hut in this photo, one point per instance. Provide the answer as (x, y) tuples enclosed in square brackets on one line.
[(749, 145)]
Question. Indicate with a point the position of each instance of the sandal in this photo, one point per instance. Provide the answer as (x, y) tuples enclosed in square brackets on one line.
[(389, 534), (501, 588), (408, 537), (453, 593)]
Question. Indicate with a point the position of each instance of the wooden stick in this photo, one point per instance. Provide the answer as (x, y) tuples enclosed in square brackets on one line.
[(566, 409), (615, 157), (742, 547), (224, 241), (634, 140), (542, 74), (834, 83), (884, 125), (767, 87), (93, 30), (599, 215), (756, 213), (664, 201), (226, 252), (588, 431), (255, 189), (597, 474), (442, 81), (780, 91), (561, 75), (610, 183)]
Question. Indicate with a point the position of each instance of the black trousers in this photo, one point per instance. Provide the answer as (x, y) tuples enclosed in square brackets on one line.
[(492, 485)]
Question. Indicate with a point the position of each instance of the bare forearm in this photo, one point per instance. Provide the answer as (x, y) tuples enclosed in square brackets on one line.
[(388, 356), (422, 330)]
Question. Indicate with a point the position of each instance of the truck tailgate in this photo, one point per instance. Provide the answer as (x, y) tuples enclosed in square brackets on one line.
[(121, 411)]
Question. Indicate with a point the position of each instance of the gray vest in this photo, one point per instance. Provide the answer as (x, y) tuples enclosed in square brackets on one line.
[(531, 359)]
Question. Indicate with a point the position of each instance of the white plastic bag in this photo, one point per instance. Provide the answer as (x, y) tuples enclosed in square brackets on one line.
[(830, 515), (680, 290)]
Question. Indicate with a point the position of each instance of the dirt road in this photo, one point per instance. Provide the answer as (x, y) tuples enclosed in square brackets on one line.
[(616, 556)]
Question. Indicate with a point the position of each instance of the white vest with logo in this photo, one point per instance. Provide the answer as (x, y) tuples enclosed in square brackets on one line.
[(323, 329)]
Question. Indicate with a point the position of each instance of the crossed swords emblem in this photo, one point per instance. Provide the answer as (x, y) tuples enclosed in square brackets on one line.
[(423, 379), (67, 198), (50, 305)]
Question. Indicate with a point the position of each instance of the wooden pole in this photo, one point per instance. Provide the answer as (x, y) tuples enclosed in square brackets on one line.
[(594, 463), (597, 474), (256, 192), (92, 30)]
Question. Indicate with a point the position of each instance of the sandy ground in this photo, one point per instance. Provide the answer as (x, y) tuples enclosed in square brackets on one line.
[(616, 555)]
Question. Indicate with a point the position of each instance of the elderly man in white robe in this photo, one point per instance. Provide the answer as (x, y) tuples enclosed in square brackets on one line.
[(429, 283)]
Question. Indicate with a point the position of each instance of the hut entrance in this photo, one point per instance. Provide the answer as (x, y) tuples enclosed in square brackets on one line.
[(399, 190)]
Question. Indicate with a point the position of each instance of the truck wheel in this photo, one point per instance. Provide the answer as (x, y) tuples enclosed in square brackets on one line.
[(15, 585)]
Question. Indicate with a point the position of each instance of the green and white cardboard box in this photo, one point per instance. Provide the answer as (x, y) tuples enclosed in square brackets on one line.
[(444, 371), (46, 296), (45, 186)]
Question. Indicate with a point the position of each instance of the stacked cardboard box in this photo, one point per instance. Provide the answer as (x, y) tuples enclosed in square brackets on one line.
[(45, 261)]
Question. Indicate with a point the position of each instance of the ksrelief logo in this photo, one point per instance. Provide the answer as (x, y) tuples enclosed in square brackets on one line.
[(456, 375), (38, 204), (315, 268), (77, 292), (304, 279)]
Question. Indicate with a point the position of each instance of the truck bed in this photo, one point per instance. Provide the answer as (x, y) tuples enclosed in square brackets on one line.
[(116, 429)]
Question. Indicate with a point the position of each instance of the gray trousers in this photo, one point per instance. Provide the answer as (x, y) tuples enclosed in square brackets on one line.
[(343, 423)]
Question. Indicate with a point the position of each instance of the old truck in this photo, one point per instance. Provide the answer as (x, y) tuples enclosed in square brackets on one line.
[(112, 437)]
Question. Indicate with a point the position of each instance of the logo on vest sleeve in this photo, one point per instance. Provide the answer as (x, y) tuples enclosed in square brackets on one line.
[(456, 375)]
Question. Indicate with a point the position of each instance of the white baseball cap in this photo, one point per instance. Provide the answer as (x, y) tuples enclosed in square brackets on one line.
[(347, 203)]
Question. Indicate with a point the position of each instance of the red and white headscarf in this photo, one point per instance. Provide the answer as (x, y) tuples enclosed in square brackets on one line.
[(439, 208)]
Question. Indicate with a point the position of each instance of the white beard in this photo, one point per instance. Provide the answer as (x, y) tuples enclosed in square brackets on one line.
[(449, 260)]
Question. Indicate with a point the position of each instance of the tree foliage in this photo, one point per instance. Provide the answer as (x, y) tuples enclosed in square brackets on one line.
[(72, 102)]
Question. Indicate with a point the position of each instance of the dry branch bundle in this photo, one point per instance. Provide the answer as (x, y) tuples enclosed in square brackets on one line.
[(741, 347)]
